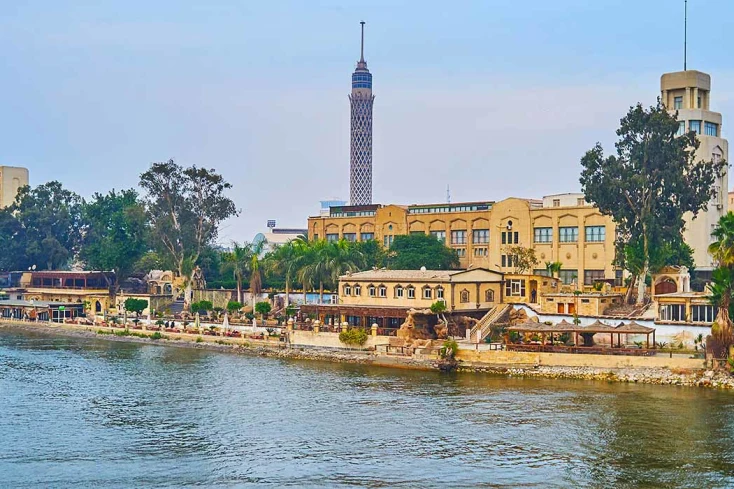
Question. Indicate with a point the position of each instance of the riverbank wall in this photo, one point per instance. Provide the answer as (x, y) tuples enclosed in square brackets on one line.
[(324, 347)]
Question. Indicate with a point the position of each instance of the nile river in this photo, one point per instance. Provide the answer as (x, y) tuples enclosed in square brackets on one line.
[(94, 413)]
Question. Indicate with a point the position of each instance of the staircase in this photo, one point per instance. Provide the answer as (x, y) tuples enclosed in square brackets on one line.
[(177, 307), (481, 329)]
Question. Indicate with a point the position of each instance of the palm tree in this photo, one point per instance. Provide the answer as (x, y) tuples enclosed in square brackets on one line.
[(314, 266), (238, 262), (284, 260), (553, 267), (256, 283), (343, 257), (722, 280)]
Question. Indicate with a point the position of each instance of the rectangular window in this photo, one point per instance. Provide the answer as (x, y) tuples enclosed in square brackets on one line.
[(595, 234), (357, 290), (504, 237), (673, 312), (542, 235), (439, 293), (541, 271), (481, 251), (427, 293), (399, 292), (694, 126), (461, 252), (711, 129), (387, 240), (618, 278), (568, 234), (698, 102), (332, 237), (568, 276), (411, 293), (367, 236), (439, 235), (315, 237), (678, 103), (351, 237), (681, 128), (580, 202), (515, 288), (592, 276), (417, 233), (458, 237), (480, 236), (703, 314), (371, 290), (556, 202)]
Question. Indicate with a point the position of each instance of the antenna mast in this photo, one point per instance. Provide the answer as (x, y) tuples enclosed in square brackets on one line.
[(361, 51), (685, 36), (448, 195)]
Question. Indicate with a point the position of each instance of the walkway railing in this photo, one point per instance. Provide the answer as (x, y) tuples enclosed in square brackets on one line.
[(597, 350)]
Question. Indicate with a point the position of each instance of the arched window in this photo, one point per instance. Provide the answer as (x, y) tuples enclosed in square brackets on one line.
[(427, 293), (411, 292), (97, 307), (399, 291), (371, 290), (357, 290), (489, 295), (347, 289), (439, 292), (464, 296), (382, 291)]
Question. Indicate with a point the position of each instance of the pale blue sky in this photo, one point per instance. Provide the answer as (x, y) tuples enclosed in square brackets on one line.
[(494, 98)]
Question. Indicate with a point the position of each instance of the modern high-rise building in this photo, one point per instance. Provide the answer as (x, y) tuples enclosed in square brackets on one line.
[(360, 163), (12, 178), (689, 93)]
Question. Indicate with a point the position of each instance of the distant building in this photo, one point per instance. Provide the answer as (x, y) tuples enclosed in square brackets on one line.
[(278, 236), (689, 94), (12, 178)]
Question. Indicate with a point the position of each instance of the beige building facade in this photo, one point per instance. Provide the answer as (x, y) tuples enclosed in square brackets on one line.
[(689, 94), (12, 178), (561, 228)]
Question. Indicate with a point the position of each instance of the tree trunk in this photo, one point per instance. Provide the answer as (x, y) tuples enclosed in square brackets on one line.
[(239, 290), (630, 288), (287, 293), (321, 292), (645, 268)]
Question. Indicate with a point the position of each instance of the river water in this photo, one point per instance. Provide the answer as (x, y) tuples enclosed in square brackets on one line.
[(78, 412)]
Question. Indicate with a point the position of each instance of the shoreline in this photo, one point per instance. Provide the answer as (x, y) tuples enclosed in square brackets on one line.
[(272, 349)]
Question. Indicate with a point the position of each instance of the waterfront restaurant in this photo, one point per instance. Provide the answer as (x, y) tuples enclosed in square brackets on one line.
[(39, 310), (384, 297)]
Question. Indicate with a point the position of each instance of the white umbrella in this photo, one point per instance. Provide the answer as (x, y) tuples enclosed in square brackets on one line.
[(254, 322), (225, 322), (197, 323)]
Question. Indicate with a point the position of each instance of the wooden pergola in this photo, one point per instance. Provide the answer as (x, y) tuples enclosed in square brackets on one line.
[(585, 331)]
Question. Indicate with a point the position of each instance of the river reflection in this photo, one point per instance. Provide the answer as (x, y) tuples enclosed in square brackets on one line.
[(91, 412)]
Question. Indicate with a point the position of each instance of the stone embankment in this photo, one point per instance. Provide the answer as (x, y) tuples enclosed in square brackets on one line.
[(661, 376)]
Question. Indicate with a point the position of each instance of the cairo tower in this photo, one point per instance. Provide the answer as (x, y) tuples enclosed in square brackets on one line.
[(360, 163)]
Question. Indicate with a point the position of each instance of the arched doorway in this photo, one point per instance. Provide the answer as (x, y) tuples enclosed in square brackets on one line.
[(97, 307), (666, 286)]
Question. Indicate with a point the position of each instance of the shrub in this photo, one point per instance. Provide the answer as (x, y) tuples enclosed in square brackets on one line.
[(156, 336), (449, 349), (233, 306), (354, 336), (263, 308), (438, 307), (199, 339), (201, 306), (514, 337)]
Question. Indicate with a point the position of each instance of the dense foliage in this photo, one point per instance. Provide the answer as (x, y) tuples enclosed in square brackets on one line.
[(413, 251), (648, 185), (722, 282)]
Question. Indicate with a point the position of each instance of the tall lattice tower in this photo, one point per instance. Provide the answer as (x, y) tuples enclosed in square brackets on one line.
[(360, 163)]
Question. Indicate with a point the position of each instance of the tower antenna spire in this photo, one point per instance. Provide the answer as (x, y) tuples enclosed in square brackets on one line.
[(685, 36), (361, 51)]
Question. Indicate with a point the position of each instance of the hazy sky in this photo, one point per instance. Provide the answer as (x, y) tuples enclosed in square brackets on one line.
[(494, 98)]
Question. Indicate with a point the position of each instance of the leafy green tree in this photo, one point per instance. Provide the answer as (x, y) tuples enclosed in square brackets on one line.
[(263, 308), (523, 258), (12, 242), (233, 306), (185, 208), (237, 262), (373, 254), (135, 305), (651, 181), (413, 251), (202, 306), (51, 220), (116, 234)]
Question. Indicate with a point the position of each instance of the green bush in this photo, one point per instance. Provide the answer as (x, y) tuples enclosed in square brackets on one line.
[(233, 306), (354, 336), (263, 308), (156, 336), (449, 349), (199, 339)]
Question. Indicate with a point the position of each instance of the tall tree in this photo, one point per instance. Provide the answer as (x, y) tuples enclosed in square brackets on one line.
[(722, 286), (50, 217), (413, 251), (283, 260), (185, 208), (237, 262), (12, 242), (255, 252), (523, 259), (116, 234), (651, 181)]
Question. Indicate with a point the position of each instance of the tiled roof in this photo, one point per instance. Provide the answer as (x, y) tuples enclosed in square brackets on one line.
[(416, 275)]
